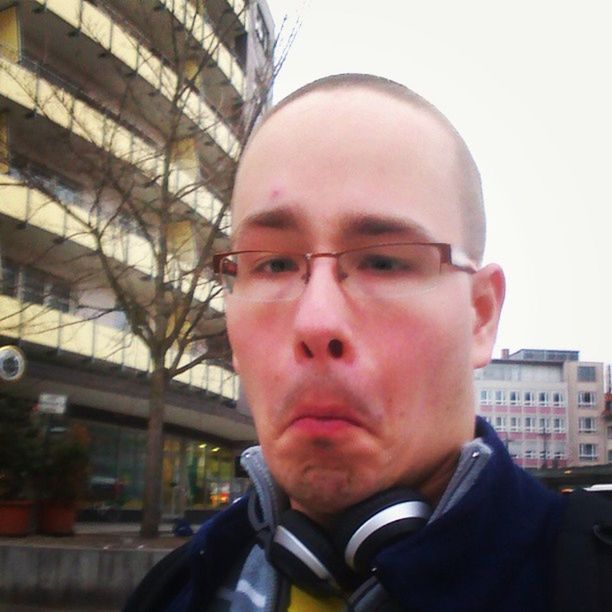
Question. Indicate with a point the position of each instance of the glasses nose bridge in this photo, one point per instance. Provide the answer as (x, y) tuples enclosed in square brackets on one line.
[(310, 257)]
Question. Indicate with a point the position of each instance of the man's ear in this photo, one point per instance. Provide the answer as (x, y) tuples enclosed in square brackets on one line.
[(488, 291)]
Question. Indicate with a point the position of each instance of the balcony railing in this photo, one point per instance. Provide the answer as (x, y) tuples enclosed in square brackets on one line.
[(37, 95), (89, 338)]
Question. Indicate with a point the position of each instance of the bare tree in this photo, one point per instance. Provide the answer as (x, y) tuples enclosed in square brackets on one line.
[(155, 148)]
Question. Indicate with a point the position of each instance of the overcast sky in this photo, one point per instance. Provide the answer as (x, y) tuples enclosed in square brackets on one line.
[(527, 83)]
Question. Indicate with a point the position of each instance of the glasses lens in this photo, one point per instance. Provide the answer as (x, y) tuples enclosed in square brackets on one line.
[(395, 269), (264, 276)]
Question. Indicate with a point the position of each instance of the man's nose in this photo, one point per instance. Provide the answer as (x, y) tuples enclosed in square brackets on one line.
[(322, 319)]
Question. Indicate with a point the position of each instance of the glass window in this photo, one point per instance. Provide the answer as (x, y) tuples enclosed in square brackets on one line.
[(515, 423), (587, 452), (514, 398), (59, 294), (558, 399), (586, 398), (500, 423), (542, 398), (9, 278), (529, 398), (544, 425), (530, 424), (500, 397), (261, 30), (33, 285), (586, 374), (587, 425), (485, 397), (559, 425)]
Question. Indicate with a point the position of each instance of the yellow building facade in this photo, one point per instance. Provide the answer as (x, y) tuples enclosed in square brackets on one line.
[(99, 99)]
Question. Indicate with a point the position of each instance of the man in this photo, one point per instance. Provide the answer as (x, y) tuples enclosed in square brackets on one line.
[(357, 310)]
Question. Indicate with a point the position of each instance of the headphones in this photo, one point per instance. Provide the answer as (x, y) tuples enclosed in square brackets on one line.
[(326, 563)]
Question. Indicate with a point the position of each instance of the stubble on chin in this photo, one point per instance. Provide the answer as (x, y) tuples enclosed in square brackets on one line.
[(322, 492)]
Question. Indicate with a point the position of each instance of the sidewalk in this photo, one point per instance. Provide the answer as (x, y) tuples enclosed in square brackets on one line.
[(106, 535), (95, 569)]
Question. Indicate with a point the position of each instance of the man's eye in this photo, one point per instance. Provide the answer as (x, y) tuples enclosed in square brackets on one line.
[(384, 263), (276, 265)]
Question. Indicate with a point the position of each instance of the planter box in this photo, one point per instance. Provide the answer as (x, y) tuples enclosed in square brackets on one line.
[(56, 518), (16, 517)]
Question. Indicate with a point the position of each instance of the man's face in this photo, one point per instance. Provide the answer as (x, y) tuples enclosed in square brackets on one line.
[(351, 396)]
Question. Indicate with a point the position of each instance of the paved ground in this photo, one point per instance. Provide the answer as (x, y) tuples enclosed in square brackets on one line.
[(104, 535), (100, 536)]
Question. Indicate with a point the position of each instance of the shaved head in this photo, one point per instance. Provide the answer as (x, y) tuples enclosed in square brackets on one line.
[(469, 187)]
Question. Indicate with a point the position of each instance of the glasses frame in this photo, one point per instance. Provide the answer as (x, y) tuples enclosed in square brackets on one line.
[(450, 255)]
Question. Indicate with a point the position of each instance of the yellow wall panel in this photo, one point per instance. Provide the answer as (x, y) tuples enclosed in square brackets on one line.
[(4, 145), (10, 39)]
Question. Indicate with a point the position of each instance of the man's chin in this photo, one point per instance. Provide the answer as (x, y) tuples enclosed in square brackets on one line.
[(323, 493)]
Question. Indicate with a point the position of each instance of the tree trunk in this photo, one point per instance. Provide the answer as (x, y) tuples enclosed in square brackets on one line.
[(151, 506)]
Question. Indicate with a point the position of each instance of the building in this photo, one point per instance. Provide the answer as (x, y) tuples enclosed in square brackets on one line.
[(548, 407), (608, 413), (95, 79)]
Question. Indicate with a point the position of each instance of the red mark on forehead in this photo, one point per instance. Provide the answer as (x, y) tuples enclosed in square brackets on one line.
[(275, 193)]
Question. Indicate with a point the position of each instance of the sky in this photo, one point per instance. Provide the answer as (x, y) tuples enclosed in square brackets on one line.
[(528, 86)]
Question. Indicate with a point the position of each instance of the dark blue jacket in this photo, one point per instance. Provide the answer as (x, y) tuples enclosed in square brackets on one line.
[(492, 552)]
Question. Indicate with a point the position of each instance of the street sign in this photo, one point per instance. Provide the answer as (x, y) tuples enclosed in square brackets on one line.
[(50, 403)]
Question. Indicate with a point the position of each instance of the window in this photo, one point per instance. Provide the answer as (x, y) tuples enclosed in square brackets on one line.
[(515, 398), (9, 278), (485, 397), (587, 425), (529, 398), (500, 423), (542, 398), (587, 452), (261, 30), (59, 295), (610, 456), (500, 397), (530, 453), (530, 424), (544, 425), (586, 374), (559, 454), (559, 425), (515, 423), (609, 430), (558, 399), (32, 285), (586, 398)]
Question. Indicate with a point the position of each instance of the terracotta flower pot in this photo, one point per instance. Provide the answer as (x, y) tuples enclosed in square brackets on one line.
[(56, 518), (15, 517)]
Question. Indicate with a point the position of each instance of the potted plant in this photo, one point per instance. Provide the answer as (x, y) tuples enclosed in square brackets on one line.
[(20, 458), (63, 481)]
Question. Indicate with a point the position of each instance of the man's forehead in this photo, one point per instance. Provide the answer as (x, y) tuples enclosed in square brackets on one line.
[(355, 105), (344, 155)]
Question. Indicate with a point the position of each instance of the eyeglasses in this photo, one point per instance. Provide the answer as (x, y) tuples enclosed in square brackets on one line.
[(378, 271)]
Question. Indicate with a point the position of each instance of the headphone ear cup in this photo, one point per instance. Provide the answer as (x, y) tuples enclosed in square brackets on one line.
[(304, 553), (371, 525)]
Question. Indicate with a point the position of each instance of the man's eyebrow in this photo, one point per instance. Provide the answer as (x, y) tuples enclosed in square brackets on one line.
[(277, 218), (355, 226), (380, 225)]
